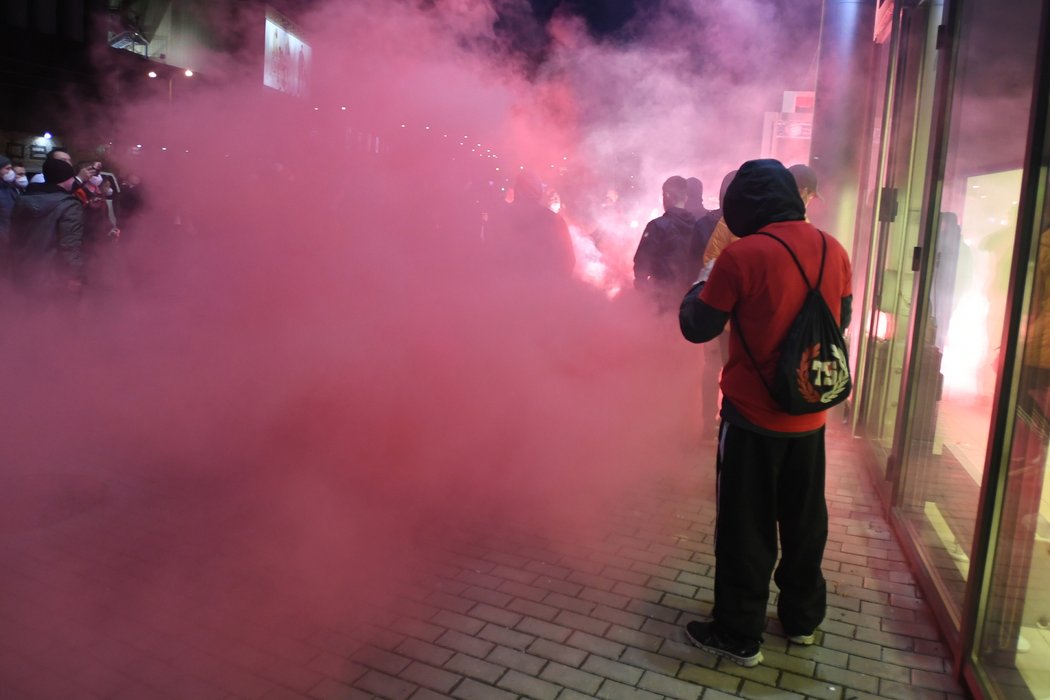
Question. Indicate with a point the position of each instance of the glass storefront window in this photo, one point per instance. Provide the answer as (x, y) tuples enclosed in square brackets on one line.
[(1013, 637), (956, 345)]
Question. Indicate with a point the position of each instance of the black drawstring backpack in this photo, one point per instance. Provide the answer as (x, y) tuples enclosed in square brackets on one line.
[(812, 373)]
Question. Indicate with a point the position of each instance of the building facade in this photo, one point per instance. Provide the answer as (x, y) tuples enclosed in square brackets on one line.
[(945, 201)]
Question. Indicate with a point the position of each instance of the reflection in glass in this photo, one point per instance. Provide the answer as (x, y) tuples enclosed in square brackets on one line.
[(957, 344)]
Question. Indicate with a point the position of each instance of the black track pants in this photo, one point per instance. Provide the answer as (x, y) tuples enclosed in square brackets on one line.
[(764, 482)]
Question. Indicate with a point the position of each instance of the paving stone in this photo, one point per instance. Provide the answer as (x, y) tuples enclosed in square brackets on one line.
[(811, 687), (570, 677), (613, 670), (582, 623), (637, 592), (665, 665), (592, 580), (611, 690), (490, 597), (557, 652), (381, 660), (521, 590), (914, 660), (424, 651), (634, 638), (557, 585), (669, 687), (533, 609), (430, 677), (604, 598), (853, 647), (933, 681), (475, 668), (788, 662), (518, 660), (427, 694), (709, 678), (529, 686), (880, 669), (472, 690), (889, 612), (464, 643), (848, 679), (457, 621), (570, 603), (447, 601), (757, 691), (506, 637), (541, 628), (654, 610), (595, 644), (385, 686), (901, 691)]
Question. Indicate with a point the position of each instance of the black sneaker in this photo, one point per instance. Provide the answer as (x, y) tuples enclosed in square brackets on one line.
[(802, 639), (703, 635)]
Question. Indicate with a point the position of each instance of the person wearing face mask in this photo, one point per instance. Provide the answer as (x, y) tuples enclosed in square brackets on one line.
[(9, 194), (21, 179), (47, 234)]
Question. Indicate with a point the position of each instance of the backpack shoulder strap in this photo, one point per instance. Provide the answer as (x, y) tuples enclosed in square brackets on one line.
[(820, 277), (823, 257)]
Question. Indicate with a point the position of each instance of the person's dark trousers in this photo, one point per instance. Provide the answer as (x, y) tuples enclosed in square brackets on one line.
[(764, 482)]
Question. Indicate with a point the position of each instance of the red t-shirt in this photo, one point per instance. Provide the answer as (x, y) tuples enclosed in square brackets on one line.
[(756, 279)]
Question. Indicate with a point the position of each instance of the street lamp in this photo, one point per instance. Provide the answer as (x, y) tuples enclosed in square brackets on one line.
[(171, 78)]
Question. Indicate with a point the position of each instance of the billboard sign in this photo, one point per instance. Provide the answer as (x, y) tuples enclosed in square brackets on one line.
[(286, 66)]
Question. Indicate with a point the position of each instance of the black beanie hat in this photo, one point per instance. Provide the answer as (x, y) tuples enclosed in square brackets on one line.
[(56, 171)]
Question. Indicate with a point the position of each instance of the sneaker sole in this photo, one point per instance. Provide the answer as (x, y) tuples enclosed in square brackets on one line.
[(802, 639), (745, 661)]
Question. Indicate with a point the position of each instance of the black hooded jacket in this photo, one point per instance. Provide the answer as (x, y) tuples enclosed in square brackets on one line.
[(665, 262), (763, 192)]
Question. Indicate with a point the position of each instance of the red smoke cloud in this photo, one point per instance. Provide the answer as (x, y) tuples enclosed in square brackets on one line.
[(302, 360)]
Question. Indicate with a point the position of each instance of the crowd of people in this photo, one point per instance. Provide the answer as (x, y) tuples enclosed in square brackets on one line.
[(58, 224), (708, 265)]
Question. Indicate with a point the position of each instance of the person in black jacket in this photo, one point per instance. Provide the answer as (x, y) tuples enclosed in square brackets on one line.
[(47, 233), (663, 264)]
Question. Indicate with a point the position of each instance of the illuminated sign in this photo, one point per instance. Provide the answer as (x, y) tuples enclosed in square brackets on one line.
[(288, 58)]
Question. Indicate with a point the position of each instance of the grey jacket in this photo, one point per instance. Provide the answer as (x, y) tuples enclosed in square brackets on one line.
[(47, 234)]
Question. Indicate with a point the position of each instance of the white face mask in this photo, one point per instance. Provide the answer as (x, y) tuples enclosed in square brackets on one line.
[(22, 181), (10, 176), (95, 180)]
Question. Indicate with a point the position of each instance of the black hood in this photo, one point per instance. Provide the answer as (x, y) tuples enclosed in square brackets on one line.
[(763, 192)]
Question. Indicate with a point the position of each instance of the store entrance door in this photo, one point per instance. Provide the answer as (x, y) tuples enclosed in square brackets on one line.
[(902, 180)]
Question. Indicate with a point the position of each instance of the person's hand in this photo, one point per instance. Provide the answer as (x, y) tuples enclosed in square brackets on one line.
[(87, 173)]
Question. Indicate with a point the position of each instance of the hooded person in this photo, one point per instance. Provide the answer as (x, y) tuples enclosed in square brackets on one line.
[(663, 264), (47, 231), (770, 463)]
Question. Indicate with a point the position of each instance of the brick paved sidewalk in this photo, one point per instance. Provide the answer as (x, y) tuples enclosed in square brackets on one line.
[(494, 614)]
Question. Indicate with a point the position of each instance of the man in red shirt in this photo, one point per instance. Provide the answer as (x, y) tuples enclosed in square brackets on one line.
[(770, 466)]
